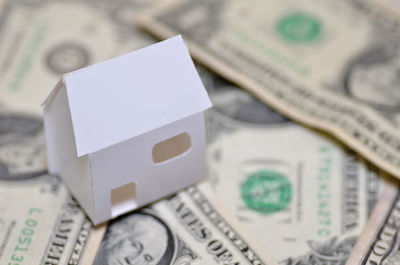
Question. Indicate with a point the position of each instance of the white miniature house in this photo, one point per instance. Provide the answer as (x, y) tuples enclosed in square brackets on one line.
[(128, 131)]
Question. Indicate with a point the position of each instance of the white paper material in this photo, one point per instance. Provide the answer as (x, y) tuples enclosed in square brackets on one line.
[(103, 121), (133, 94), (61, 152), (132, 161)]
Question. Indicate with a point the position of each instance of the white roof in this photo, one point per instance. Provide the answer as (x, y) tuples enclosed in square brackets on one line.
[(124, 97)]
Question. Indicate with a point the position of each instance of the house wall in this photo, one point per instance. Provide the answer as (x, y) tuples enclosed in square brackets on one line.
[(62, 154), (132, 161)]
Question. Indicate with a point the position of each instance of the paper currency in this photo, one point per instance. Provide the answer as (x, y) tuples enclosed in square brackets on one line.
[(187, 228), (40, 40), (380, 241), (22, 152), (302, 195), (332, 64), (40, 223)]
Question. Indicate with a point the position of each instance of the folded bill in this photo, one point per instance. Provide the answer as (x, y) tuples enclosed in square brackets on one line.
[(332, 65)]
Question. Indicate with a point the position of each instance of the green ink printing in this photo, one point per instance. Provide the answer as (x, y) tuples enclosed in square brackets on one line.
[(267, 191), (299, 27)]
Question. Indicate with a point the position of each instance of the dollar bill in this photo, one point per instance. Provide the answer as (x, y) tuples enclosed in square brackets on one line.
[(304, 196), (189, 227), (40, 223), (40, 40), (380, 240), (22, 151), (332, 65)]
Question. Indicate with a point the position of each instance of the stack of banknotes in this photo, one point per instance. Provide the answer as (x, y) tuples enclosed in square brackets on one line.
[(303, 140)]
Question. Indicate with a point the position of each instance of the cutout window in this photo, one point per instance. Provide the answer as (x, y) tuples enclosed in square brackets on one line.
[(123, 199), (172, 147)]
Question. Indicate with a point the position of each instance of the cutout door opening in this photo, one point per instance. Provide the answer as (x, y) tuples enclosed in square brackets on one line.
[(123, 199), (172, 147)]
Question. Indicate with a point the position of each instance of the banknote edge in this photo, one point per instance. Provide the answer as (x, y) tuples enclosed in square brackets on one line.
[(372, 228)]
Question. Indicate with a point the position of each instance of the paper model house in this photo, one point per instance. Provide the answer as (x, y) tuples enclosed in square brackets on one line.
[(128, 131)]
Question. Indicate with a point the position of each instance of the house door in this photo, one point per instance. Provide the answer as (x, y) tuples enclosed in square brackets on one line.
[(123, 199)]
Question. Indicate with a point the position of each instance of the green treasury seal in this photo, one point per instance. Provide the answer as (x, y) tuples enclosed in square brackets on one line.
[(267, 191), (299, 27)]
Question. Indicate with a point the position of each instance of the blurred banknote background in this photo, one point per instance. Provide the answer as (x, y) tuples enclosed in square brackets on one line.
[(303, 139)]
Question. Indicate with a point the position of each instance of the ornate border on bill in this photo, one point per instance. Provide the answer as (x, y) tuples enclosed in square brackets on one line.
[(379, 242)]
